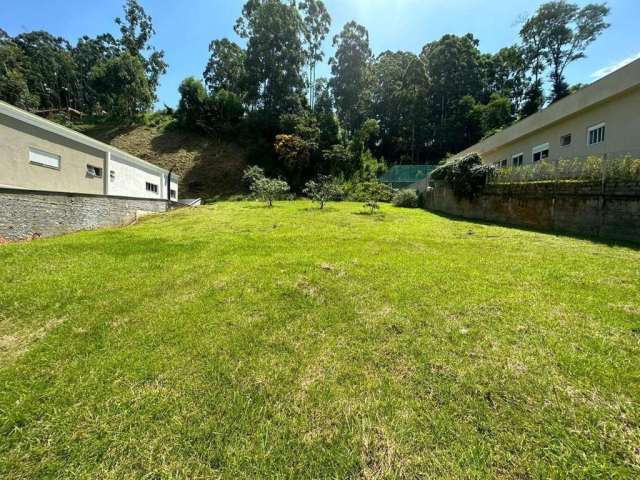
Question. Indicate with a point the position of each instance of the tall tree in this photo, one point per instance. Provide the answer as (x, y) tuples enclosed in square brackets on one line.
[(275, 56), (123, 86), (350, 68), (505, 74), (533, 41), (88, 54), (137, 29), (225, 69), (13, 74), (453, 65), (556, 35), (193, 97), (49, 69), (568, 31), (317, 23), (399, 91), (324, 112)]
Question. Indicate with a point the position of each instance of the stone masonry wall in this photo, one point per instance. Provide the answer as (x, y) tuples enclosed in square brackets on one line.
[(28, 214), (610, 211)]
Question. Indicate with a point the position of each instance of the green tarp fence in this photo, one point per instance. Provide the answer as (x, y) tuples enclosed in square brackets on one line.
[(400, 176)]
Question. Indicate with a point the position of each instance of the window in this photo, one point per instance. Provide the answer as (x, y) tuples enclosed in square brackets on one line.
[(173, 193), (152, 187), (44, 159), (540, 152), (565, 140), (94, 171), (503, 163), (517, 160), (596, 134)]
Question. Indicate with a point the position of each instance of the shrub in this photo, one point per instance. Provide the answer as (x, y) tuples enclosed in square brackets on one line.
[(406, 198), (466, 176), (590, 168), (323, 190), (374, 190), (269, 189), (372, 205), (251, 175)]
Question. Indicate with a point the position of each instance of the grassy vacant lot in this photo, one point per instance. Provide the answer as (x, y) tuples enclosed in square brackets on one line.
[(236, 341)]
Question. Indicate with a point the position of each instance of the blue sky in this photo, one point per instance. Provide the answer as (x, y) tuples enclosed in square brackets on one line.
[(185, 28)]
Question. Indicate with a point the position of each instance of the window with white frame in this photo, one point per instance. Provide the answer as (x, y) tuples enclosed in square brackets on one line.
[(152, 187), (173, 193), (44, 159), (540, 152), (517, 160), (595, 134)]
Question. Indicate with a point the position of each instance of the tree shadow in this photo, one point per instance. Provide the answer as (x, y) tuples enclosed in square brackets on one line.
[(610, 242)]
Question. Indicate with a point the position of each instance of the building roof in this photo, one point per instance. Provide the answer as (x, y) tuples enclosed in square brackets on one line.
[(57, 129), (617, 83)]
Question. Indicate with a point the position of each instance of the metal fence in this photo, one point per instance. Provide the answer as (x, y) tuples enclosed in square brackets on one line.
[(623, 166)]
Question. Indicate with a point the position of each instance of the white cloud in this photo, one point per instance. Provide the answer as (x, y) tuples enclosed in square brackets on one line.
[(613, 67)]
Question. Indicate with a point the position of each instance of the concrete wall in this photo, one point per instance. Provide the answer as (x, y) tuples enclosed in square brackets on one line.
[(16, 171), (584, 208), (619, 114), (25, 214)]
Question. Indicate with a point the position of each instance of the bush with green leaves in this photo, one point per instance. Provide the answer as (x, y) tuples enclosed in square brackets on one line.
[(373, 190), (466, 176), (269, 189), (323, 190), (251, 175), (407, 198), (372, 206)]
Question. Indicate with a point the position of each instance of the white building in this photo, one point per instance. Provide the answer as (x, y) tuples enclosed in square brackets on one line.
[(36, 154)]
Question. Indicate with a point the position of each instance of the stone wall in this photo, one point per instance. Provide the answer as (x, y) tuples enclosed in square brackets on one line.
[(609, 211), (27, 214)]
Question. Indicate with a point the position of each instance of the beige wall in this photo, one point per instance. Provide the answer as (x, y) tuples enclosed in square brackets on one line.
[(15, 170), (620, 114)]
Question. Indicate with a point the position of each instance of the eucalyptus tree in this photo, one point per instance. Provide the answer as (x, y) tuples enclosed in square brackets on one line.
[(137, 30), (399, 89), (225, 69), (453, 66), (317, 23), (351, 70), (559, 34), (274, 56), (87, 55), (14, 88), (50, 71)]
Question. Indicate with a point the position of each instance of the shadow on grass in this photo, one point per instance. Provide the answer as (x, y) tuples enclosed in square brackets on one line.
[(376, 215), (558, 233), (114, 244)]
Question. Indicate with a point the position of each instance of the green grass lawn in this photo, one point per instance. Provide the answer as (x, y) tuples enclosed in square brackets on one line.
[(235, 341)]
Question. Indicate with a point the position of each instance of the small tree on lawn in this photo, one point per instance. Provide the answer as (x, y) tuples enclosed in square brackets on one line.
[(322, 190), (251, 175), (372, 205), (269, 189)]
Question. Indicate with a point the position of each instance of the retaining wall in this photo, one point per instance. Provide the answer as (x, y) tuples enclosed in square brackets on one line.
[(610, 210), (27, 214)]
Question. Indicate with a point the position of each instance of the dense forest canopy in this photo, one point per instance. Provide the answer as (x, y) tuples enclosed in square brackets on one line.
[(373, 111)]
